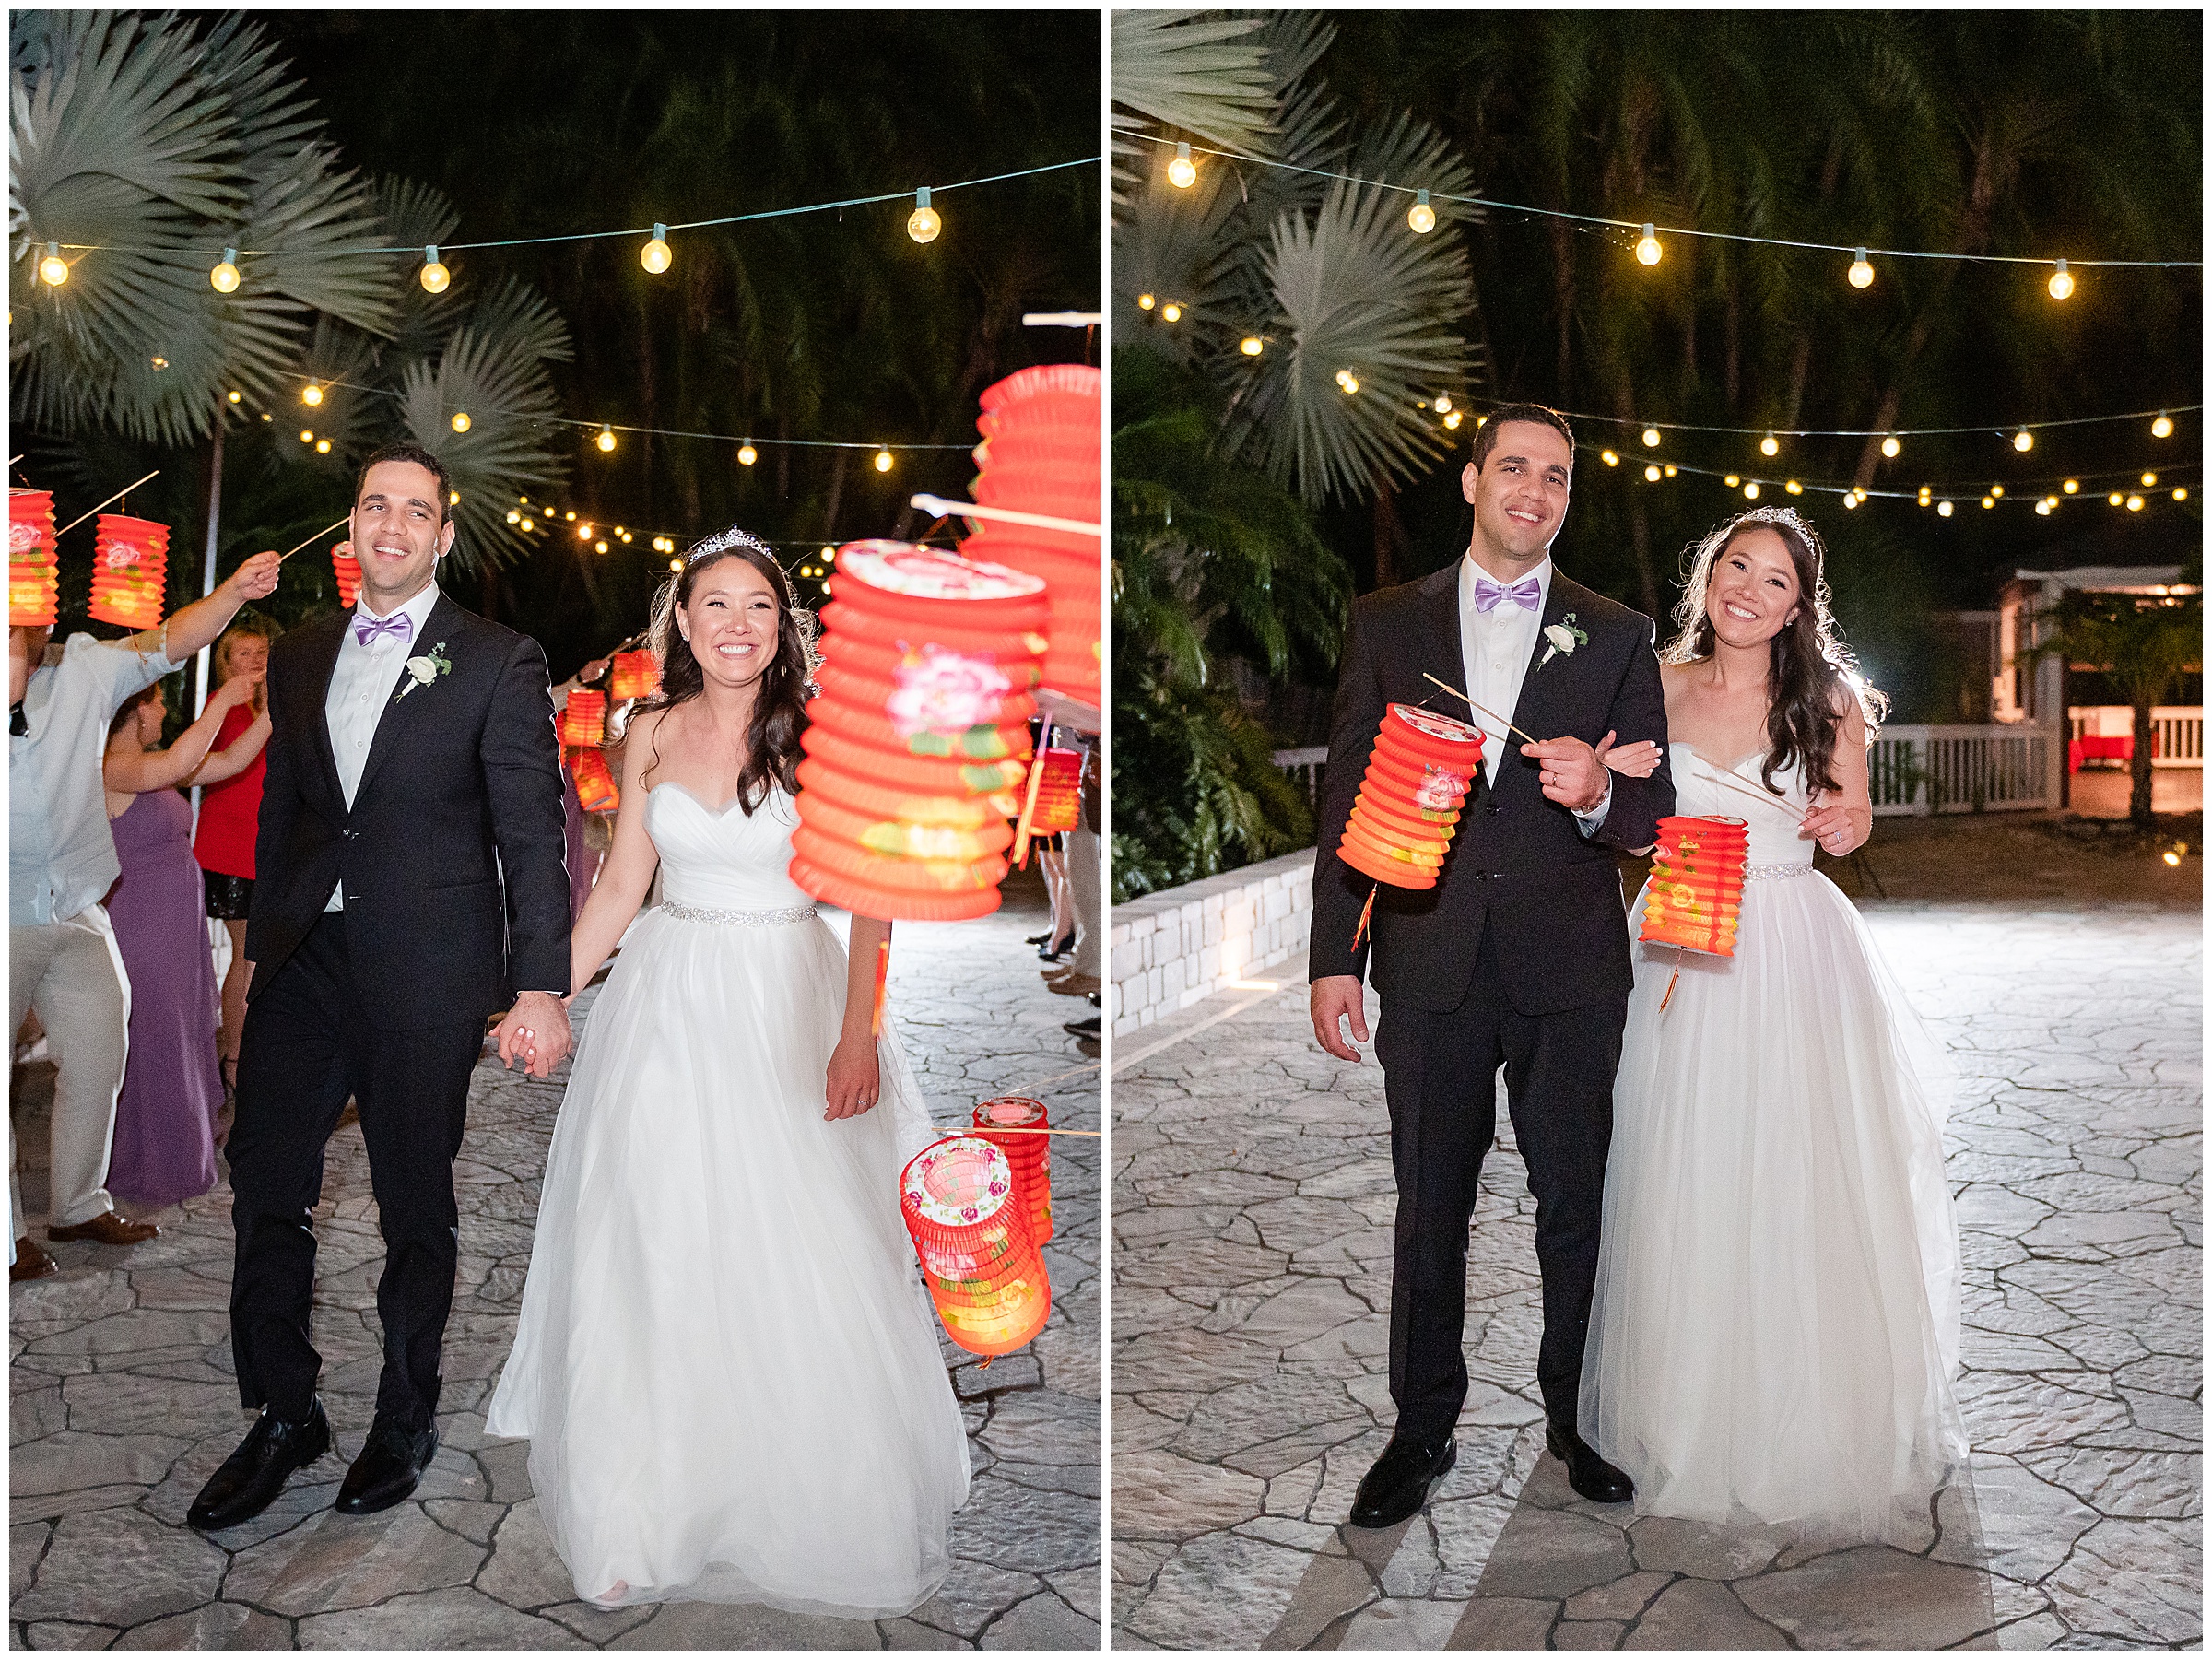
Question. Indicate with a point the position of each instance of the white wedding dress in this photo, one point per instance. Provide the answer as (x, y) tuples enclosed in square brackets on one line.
[(1776, 1325), (728, 1366)]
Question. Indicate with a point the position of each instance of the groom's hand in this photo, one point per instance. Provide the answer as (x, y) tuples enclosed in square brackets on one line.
[(1335, 997), (535, 1033), (1573, 774)]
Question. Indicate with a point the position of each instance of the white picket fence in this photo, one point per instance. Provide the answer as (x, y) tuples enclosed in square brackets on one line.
[(2177, 734)]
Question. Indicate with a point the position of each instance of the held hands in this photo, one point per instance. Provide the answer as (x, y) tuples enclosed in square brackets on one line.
[(256, 579), (1573, 774), (1838, 829), (1337, 997), (535, 1033), (855, 1081), (1640, 760)]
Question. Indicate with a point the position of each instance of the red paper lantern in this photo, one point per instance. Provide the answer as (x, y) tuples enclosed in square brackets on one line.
[(1421, 769), (1059, 803), (1031, 1156), (130, 570), (635, 675), (971, 1232), (583, 722), (596, 790), (919, 737), (349, 572), (1695, 896), (32, 568)]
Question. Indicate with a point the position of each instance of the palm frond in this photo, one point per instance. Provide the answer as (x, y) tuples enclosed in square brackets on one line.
[(503, 387), (1199, 72)]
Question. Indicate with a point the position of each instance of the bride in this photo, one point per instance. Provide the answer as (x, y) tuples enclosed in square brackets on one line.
[(1776, 1325), (725, 1364)]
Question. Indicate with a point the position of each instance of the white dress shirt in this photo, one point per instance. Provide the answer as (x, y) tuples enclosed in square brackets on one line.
[(1495, 652), (361, 687)]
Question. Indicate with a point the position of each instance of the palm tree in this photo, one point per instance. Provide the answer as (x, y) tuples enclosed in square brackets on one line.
[(2145, 645)]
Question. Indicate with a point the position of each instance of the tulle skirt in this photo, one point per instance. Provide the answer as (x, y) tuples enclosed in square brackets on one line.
[(1776, 1325), (726, 1364)]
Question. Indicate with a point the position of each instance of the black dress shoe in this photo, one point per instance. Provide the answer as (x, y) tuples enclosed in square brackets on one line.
[(248, 1479), (1053, 951), (1401, 1480), (392, 1462), (1587, 1473)]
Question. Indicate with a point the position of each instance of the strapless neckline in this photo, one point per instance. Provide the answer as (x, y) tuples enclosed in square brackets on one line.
[(720, 812)]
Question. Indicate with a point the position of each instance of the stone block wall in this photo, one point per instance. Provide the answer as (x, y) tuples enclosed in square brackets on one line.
[(1171, 949)]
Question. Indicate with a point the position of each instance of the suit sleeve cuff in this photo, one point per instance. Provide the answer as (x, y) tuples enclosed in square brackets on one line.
[(1594, 819)]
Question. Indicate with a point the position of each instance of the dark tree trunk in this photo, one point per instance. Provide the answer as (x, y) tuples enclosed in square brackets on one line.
[(1562, 280), (1390, 532), (2139, 794), (837, 492)]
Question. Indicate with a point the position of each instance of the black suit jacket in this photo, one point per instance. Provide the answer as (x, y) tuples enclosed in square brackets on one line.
[(453, 853), (1517, 863)]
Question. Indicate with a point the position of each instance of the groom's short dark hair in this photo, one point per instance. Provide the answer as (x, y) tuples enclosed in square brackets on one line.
[(1486, 435), (407, 449)]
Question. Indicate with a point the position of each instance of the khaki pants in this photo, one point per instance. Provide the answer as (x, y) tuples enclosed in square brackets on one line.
[(1084, 868), (71, 974)]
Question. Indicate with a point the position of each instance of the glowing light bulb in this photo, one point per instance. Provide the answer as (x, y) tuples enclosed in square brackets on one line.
[(1989, 502), (2162, 427), (655, 255), (571, 517), (54, 270), (1610, 459), (2023, 440), (2062, 284), (307, 435), (1732, 480), (1451, 421), (1944, 509), (606, 440), (237, 396), (2114, 499), (1770, 445), (583, 533), (1860, 272), (2135, 504), (461, 421), (747, 454), (1145, 302), (311, 394), (1925, 496), (1650, 475), (1862, 494), (1795, 488), (1997, 491), (322, 447), (2150, 479), (1171, 311), (676, 564), (435, 276), (2042, 507), (1350, 385), (1183, 172), (1890, 446), (883, 461), (1850, 500), (1651, 438), (598, 546), (2071, 486), (924, 223), (224, 275), (1252, 346), (1751, 490), (1670, 469), (515, 515), (2181, 493), (2171, 858), (1420, 216), (158, 361), (1647, 247)]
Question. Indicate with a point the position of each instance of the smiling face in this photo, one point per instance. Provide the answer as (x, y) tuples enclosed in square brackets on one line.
[(247, 654), (1519, 495), (731, 621), (400, 531), (1755, 593)]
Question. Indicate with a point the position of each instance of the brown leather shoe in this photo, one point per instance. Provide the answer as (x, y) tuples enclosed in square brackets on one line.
[(1074, 986), (31, 1262), (109, 1228)]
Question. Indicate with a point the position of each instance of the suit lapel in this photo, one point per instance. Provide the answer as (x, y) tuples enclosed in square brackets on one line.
[(438, 629), (1441, 651)]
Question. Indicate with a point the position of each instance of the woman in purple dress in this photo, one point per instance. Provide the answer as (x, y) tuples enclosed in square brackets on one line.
[(164, 1147)]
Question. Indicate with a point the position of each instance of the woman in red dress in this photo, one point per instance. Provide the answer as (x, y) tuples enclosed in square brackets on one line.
[(229, 815)]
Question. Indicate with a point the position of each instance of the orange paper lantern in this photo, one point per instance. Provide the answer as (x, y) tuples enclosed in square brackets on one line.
[(583, 722), (130, 570), (635, 675), (1695, 896), (1420, 770), (595, 791), (1030, 1155), (349, 572), (971, 1232), (32, 568)]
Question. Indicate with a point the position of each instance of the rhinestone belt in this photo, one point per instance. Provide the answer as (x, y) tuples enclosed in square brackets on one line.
[(738, 919), (1759, 873)]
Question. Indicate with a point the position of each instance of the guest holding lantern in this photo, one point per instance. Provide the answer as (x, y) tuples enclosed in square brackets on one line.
[(165, 1118), (1775, 1332), (729, 1376), (231, 813)]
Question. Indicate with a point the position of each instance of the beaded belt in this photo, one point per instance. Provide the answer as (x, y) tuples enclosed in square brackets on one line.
[(740, 919), (1759, 873)]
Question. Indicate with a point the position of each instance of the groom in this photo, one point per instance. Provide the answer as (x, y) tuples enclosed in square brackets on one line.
[(1518, 956), (408, 881)]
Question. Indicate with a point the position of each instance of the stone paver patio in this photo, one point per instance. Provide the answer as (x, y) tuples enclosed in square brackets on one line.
[(1252, 1208), (123, 1400)]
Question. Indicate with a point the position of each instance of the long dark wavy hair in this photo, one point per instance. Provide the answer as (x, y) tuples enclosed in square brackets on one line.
[(1810, 669), (771, 737)]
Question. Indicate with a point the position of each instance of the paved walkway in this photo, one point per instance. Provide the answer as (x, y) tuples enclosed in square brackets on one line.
[(124, 1401), (1253, 1209)]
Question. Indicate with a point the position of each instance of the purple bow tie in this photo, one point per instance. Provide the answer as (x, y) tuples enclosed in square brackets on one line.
[(1526, 593), (399, 625)]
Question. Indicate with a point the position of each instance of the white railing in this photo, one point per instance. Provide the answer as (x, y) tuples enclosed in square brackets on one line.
[(1922, 770), (2177, 734), (1306, 766)]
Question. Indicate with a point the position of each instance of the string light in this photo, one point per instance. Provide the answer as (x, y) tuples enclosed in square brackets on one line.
[(311, 394), (2023, 440), (528, 523), (2181, 493), (1443, 403), (747, 454), (1751, 490), (54, 270), (1732, 480), (224, 275), (1650, 475), (598, 546), (237, 396), (655, 255), (571, 517), (1924, 495), (1610, 459), (2135, 504), (1944, 509), (1420, 216), (1670, 469), (1890, 446), (1860, 272), (2071, 486), (583, 533), (605, 439), (1989, 502), (883, 461), (2062, 282), (1145, 302), (1647, 247), (1795, 488), (1770, 445), (1349, 381), (158, 361), (1183, 172), (1171, 311), (515, 515), (1997, 491), (676, 564), (1252, 346), (435, 276), (2149, 480), (2162, 427), (1850, 500), (1651, 438), (925, 222), (322, 447), (1451, 421), (2112, 500), (461, 420), (307, 435)]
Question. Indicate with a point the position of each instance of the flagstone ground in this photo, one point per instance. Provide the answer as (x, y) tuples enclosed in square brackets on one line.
[(123, 1400), (1253, 1207)]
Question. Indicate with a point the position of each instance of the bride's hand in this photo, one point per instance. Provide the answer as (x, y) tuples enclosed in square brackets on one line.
[(856, 1080), (1639, 759)]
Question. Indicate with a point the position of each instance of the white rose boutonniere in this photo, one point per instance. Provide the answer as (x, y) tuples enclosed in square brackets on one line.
[(425, 668), (1561, 637)]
